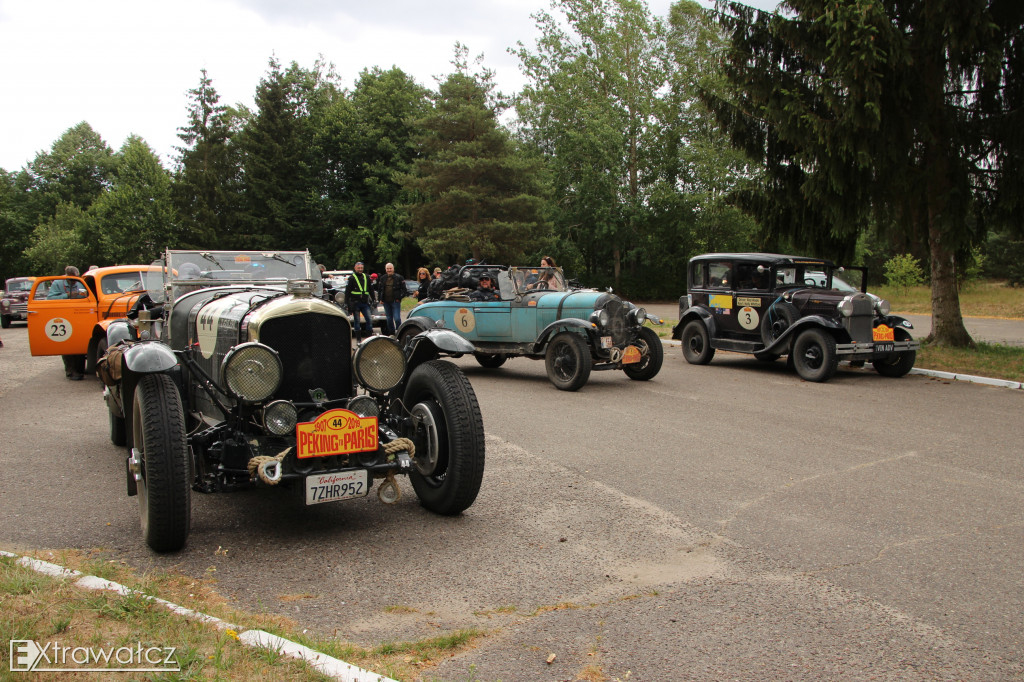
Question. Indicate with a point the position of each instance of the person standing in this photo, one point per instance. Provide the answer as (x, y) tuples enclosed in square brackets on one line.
[(423, 280), (390, 290), (358, 296), (74, 365)]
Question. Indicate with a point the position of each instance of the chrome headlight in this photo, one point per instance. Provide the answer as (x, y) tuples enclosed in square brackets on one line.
[(882, 306), (252, 371), (600, 318), (280, 417), (639, 316), (364, 406), (845, 307), (379, 364)]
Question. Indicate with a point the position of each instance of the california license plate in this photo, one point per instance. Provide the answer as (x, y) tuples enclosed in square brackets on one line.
[(342, 485)]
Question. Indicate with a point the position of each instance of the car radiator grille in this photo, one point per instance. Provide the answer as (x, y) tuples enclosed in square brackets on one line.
[(617, 322), (316, 351)]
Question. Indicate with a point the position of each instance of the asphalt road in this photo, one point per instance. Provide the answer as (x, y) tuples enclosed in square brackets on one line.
[(719, 522)]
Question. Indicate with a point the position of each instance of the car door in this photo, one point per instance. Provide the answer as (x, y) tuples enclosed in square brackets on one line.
[(751, 297), (61, 326)]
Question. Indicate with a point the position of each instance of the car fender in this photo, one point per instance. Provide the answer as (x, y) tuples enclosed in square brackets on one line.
[(149, 358), (431, 343), (691, 313), (781, 345), (549, 330), (894, 321)]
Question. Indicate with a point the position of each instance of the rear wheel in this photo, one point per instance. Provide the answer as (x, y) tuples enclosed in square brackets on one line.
[(697, 348), (896, 364), (117, 431), (160, 457), (653, 356), (491, 360), (5, 321), (448, 432), (814, 355), (568, 361)]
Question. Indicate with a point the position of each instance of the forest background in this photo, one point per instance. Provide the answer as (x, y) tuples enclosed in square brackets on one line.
[(636, 143)]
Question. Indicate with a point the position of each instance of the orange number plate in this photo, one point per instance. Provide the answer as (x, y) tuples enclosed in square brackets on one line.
[(883, 333)]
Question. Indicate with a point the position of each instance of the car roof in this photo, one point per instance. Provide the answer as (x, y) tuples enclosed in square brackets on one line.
[(772, 258)]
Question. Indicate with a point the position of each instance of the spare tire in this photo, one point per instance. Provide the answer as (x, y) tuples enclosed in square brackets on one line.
[(777, 319)]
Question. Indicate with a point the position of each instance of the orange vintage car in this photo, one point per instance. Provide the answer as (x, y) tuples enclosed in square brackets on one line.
[(69, 315)]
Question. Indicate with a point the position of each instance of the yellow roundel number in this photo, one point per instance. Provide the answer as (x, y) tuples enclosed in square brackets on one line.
[(748, 318), (464, 320)]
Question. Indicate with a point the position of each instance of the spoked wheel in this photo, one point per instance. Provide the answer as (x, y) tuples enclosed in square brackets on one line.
[(159, 459), (814, 355), (778, 319), (448, 432), (653, 356), (697, 348), (568, 361)]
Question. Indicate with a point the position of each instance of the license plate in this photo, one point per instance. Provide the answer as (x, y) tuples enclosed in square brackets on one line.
[(884, 347), (342, 485), (606, 342), (630, 355)]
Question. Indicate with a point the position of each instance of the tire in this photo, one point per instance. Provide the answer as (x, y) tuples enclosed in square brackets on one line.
[(567, 361), (896, 364), (118, 435), (407, 334), (491, 360), (697, 348), (777, 320), (650, 365), (164, 490), (92, 363), (5, 321), (814, 355), (448, 431)]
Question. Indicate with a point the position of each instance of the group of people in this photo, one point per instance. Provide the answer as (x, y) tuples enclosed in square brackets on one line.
[(362, 291)]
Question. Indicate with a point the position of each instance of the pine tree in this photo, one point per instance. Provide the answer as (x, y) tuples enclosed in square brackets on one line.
[(479, 196)]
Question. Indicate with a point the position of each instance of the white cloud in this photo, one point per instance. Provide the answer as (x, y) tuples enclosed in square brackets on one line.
[(125, 66)]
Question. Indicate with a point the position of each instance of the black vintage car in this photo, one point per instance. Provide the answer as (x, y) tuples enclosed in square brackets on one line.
[(235, 373), (773, 305)]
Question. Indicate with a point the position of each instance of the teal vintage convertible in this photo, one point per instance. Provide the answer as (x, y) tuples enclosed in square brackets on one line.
[(537, 314)]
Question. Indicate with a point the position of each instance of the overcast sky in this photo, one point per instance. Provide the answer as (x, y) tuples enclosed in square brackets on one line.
[(125, 66)]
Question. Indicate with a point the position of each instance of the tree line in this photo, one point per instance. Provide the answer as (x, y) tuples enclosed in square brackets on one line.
[(850, 129)]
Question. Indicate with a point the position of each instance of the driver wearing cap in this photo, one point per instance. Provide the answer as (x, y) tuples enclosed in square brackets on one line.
[(485, 292)]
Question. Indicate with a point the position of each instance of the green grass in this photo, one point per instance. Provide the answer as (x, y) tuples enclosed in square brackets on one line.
[(980, 299), (986, 360)]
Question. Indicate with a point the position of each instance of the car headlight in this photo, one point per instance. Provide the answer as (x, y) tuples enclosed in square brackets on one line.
[(379, 364), (364, 406), (882, 306), (639, 316), (280, 417), (845, 307), (600, 318), (252, 371)]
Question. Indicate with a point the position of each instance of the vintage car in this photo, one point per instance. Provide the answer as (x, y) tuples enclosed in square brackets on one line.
[(14, 304), (772, 305), (538, 316), (233, 373), (77, 325)]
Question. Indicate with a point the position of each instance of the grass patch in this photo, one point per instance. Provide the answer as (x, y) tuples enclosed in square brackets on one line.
[(46, 609), (980, 299), (986, 360)]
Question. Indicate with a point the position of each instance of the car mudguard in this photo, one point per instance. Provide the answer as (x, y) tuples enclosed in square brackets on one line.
[(149, 358), (542, 338), (691, 313), (431, 343), (894, 321), (781, 345)]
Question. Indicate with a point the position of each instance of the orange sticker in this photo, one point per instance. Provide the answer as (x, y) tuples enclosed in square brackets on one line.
[(883, 333), (336, 432), (242, 259), (631, 355)]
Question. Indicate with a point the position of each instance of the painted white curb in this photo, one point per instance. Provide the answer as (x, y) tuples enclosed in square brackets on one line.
[(327, 665)]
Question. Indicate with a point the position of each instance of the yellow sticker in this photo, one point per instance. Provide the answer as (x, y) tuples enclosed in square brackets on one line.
[(752, 301), (720, 301), (883, 333), (336, 432)]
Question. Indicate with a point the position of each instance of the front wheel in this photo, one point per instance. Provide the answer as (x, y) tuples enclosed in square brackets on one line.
[(697, 348), (448, 432), (814, 355), (896, 364), (160, 457), (653, 356), (567, 361)]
